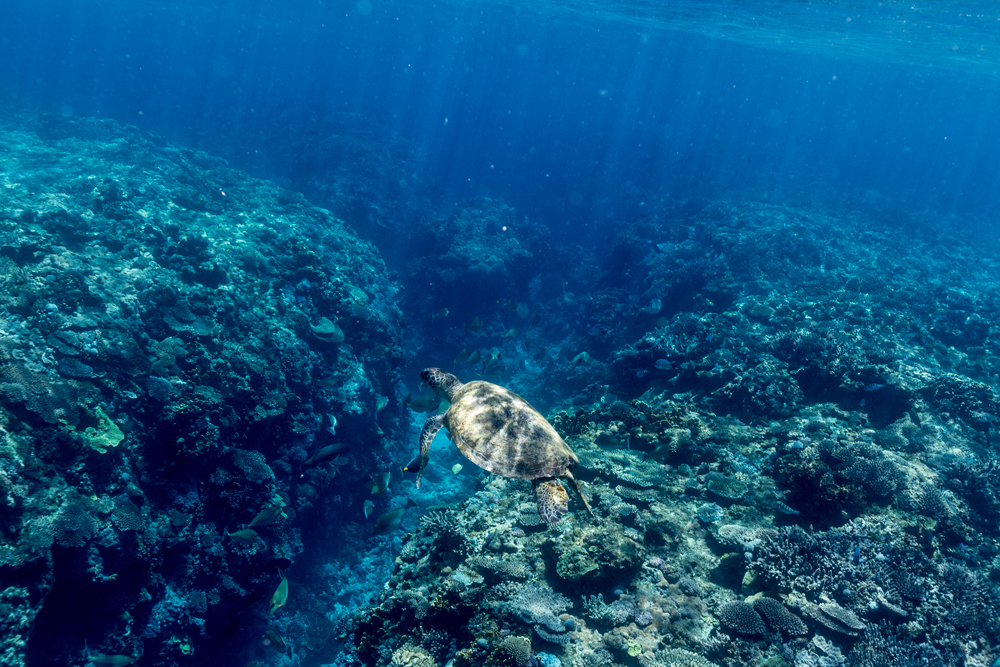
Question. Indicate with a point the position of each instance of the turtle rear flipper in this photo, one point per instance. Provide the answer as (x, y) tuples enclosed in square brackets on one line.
[(431, 428), (576, 485), (553, 502)]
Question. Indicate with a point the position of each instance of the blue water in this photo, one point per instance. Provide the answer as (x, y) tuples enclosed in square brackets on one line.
[(578, 115), (586, 118)]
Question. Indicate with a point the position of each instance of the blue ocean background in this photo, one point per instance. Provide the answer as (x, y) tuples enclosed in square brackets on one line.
[(719, 244), (575, 113)]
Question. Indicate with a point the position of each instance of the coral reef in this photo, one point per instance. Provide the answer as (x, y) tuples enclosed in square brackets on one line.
[(162, 378), (786, 428), (778, 475)]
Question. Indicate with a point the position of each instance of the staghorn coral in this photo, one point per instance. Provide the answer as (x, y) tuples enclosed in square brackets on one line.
[(518, 648), (507, 567), (709, 512), (778, 616), (438, 643), (623, 465), (593, 658), (439, 521), (73, 525), (679, 657), (126, 514), (866, 465), (971, 609), (765, 390), (642, 495), (536, 605), (886, 645), (741, 617), (689, 586), (416, 603), (528, 516), (450, 537), (253, 464), (53, 402), (614, 505), (793, 557), (978, 481)]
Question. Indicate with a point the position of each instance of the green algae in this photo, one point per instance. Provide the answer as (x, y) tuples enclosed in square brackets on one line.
[(107, 435)]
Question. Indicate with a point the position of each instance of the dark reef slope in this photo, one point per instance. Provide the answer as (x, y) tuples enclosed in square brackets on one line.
[(171, 335)]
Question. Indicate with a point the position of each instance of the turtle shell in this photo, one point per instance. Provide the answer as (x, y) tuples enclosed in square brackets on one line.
[(500, 432)]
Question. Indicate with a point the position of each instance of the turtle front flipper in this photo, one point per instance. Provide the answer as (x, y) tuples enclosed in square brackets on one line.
[(431, 428), (553, 502)]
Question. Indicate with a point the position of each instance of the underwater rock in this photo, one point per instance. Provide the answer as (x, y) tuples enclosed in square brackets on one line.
[(159, 378)]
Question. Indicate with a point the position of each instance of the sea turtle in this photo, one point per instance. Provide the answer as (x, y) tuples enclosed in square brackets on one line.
[(500, 432)]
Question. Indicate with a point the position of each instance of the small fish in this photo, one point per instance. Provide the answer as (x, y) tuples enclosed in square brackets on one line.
[(377, 352), (873, 386), (662, 364), (491, 365), (653, 307), (391, 521), (599, 330), (640, 374), (325, 454), (425, 404), (254, 663), (798, 444), (580, 359), (413, 466), (274, 640), (457, 468), (522, 310), (463, 356), (494, 370), (332, 428), (782, 507), (246, 537), (369, 506), (266, 516), (914, 416), (475, 357), (112, 660), (511, 333), (606, 440), (440, 315), (380, 483), (280, 596), (381, 403), (475, 325)]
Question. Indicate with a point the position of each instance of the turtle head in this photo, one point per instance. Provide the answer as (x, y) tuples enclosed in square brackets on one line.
[(443, 384)]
